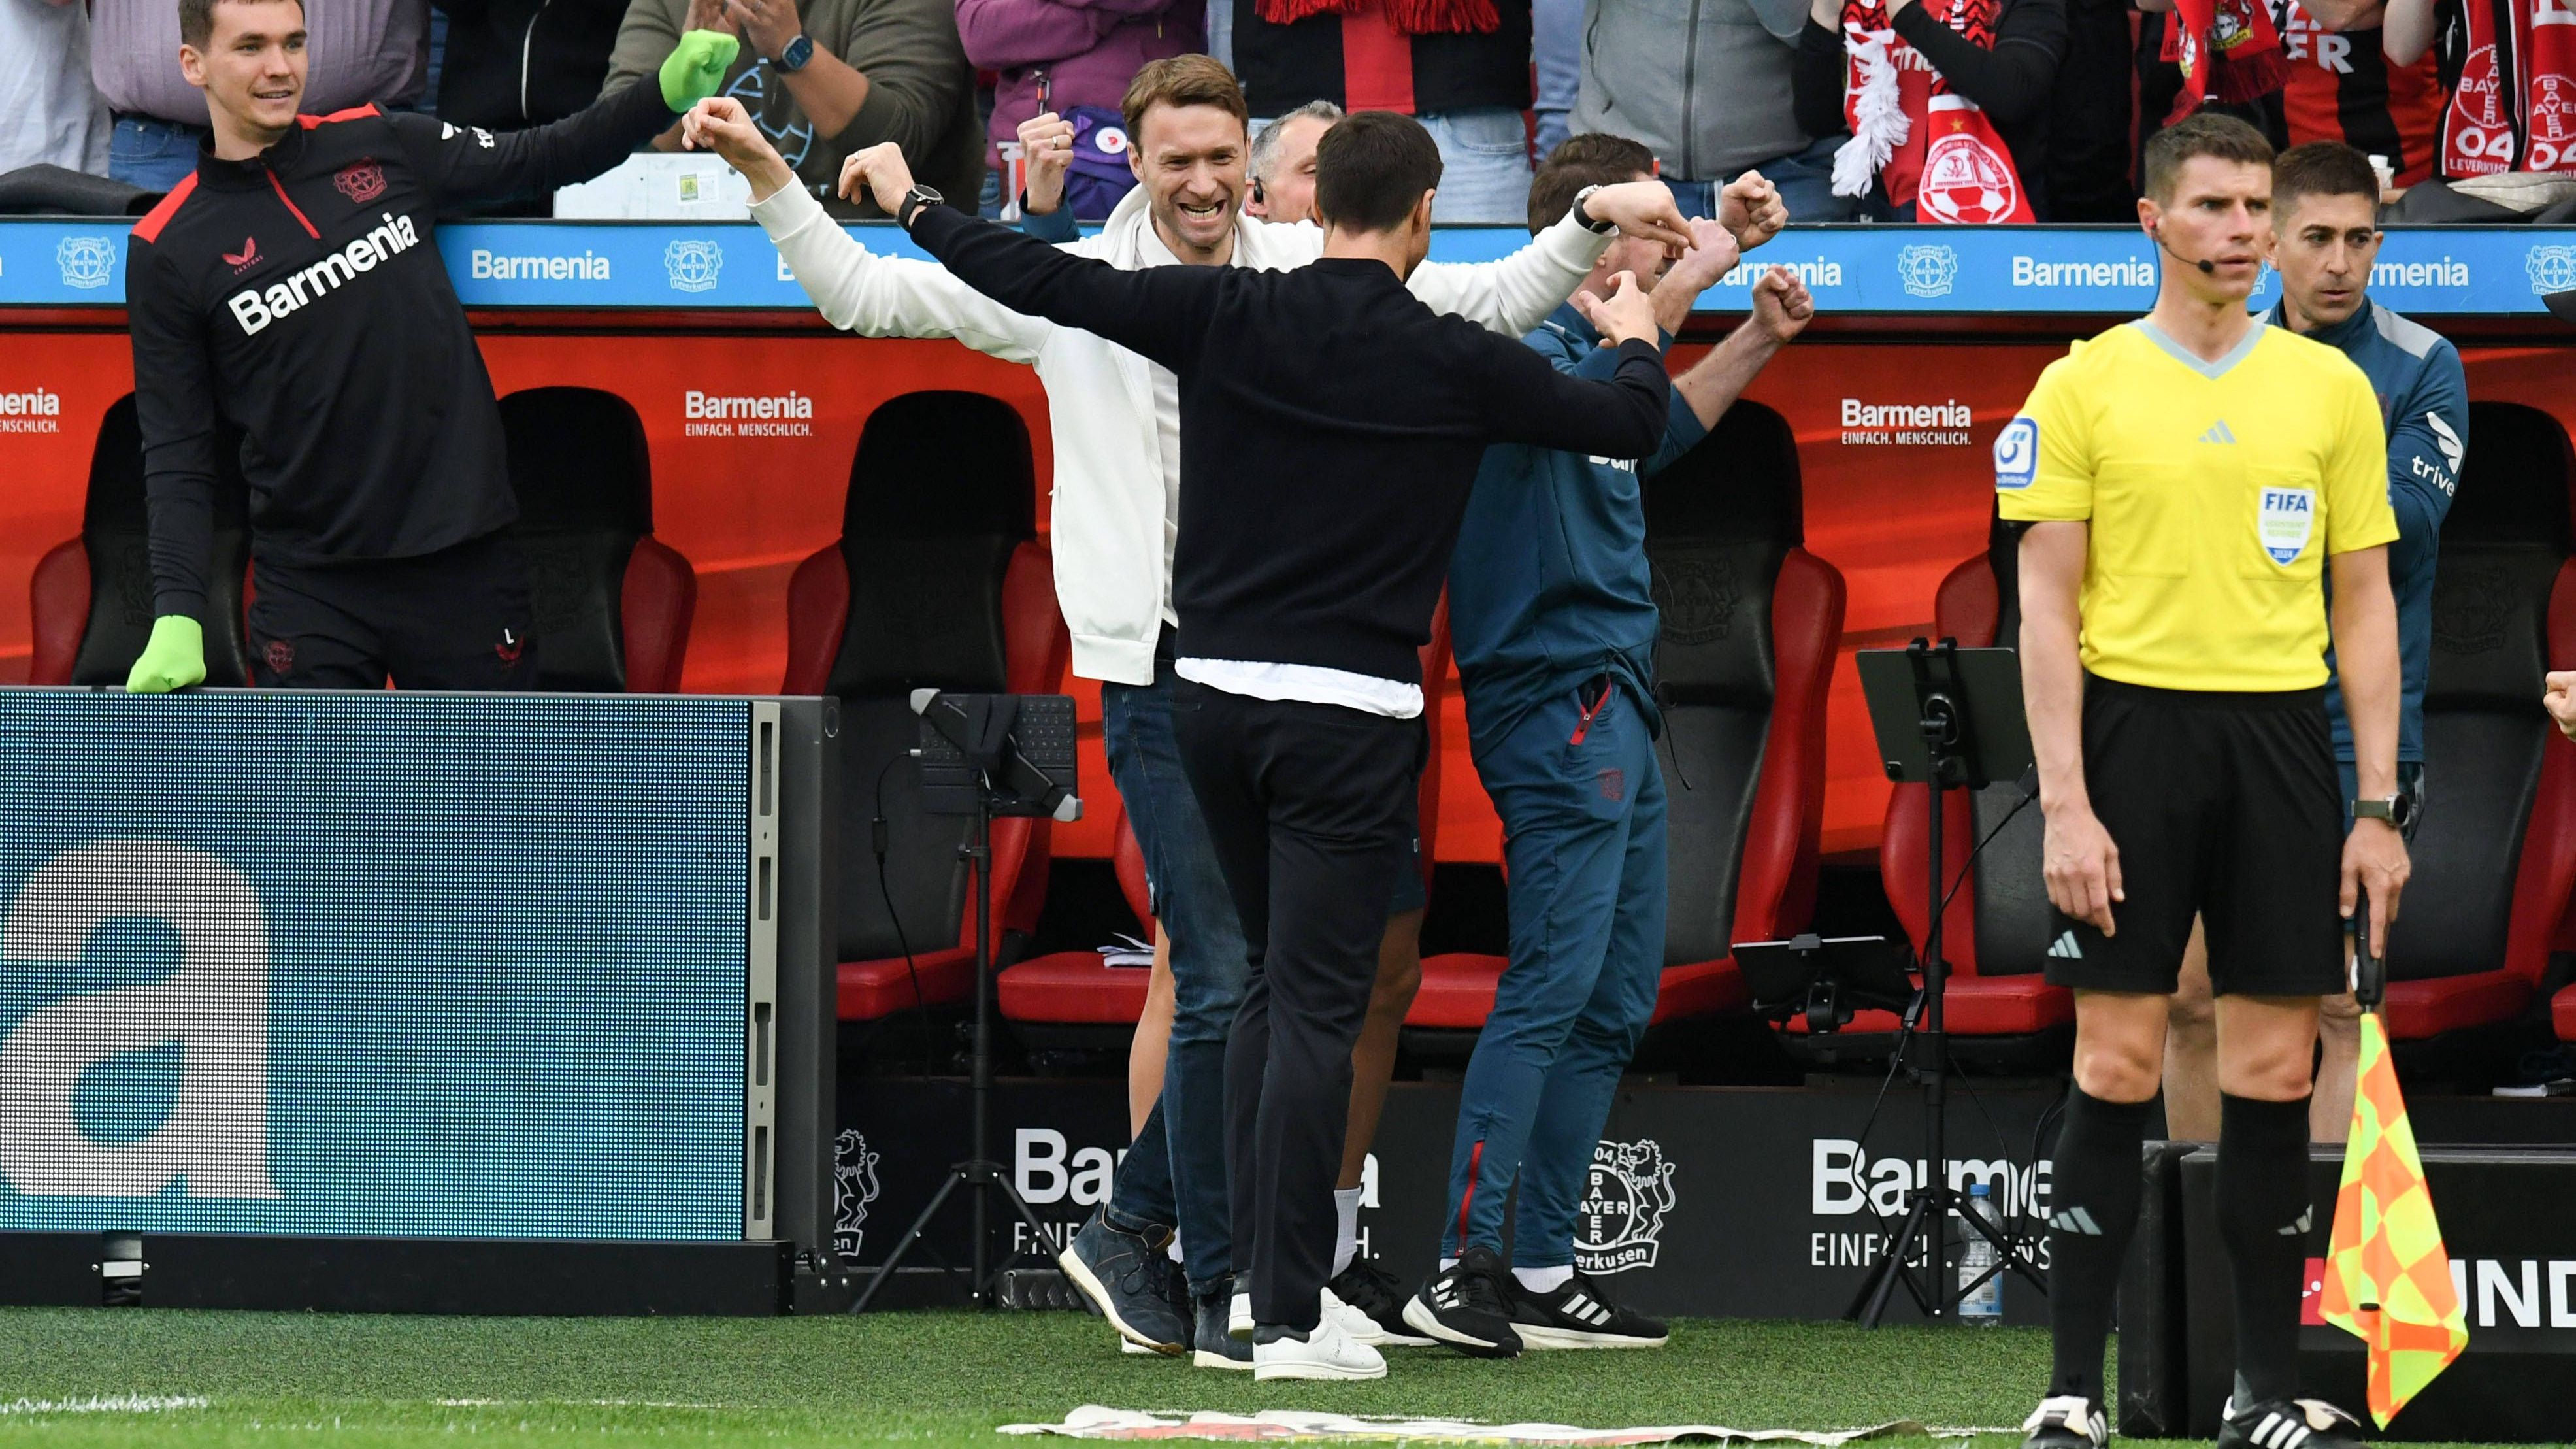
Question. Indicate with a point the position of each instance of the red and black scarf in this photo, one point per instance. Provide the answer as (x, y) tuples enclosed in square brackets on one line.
[(2515, 106), (1928, 146), (2229, 51), (1409, 17)]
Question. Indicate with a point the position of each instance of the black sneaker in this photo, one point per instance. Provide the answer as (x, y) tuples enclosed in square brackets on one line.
[(1575, 1314), (1373, 1291), (2287, 1424), (1217, 1347), (1468, 1306), (2069, 1421), (1128, 1280)]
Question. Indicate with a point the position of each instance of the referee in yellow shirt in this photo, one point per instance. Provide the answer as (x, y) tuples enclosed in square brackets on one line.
[(2186, 478)]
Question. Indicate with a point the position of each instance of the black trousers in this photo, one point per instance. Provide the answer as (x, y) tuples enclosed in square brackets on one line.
[(1311, 808), (455, 619)]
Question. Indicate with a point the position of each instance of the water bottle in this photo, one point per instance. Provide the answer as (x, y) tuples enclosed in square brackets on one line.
[(1983, 1304)]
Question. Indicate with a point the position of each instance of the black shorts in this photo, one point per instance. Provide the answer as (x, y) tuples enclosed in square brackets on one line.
[(456, 619), (2223, 806)]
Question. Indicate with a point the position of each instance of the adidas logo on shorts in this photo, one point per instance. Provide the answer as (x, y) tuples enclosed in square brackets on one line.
[(2064, 947), (2076, 1220)]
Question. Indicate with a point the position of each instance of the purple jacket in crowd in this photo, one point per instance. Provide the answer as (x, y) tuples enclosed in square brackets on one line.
[(1083, 52)]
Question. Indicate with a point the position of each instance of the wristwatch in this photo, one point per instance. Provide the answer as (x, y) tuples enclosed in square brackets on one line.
[(796, 54), (2392, 808), (1591, 223), (913, 201)]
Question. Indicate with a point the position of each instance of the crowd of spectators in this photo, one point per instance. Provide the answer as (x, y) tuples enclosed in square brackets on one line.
[(1888, 110)]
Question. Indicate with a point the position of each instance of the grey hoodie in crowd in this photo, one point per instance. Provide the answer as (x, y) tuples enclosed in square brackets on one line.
[(1704, 84)]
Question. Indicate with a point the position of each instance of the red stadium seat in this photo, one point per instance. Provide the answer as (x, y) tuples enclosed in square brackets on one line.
[(2562, 1012), (935, 582), (612, 603), (1079, 988), (2495, 860), (1750, 624), (1995, 933), (90, 603)]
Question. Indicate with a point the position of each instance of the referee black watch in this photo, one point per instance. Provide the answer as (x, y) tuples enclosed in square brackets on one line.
[(2392, 808), (913, 201)]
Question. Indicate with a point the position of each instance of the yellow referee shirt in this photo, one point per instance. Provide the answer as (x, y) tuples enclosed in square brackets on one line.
[(2215, 491)]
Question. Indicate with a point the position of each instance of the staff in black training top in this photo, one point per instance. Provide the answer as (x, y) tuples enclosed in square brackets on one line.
[(1331, 425), (291, 286)]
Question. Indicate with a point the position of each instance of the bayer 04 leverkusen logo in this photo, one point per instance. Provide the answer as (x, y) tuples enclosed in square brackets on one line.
[(854, 1186), (1629, 1190)]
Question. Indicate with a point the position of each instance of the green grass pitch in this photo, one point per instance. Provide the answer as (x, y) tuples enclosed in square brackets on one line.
[(929, 1378)]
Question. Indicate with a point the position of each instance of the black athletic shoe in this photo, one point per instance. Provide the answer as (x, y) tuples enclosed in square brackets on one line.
[(2288, 1424), (1217, 1347), (2066, 1422), (1468, 1306), (1127, 1277), (1575, 1314), (1373, 1291)]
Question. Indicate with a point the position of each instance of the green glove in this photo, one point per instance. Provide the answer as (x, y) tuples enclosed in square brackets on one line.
[(175, 659), (697, 67)]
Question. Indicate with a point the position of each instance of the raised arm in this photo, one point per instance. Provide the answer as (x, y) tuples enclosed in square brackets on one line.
[(854, 288), (1528, 400), (1515, 294), (1160, 313), (468, 161)]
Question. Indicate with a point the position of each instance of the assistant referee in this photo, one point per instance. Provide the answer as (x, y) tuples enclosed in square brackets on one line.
[(2185, 478), (290, 285)]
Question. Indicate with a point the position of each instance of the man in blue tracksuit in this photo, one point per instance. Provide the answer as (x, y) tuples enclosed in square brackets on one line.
[(2325, 203), (1554, 624)]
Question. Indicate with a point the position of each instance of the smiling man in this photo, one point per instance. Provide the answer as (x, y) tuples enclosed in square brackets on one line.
[(2186, 479), (290, 285)]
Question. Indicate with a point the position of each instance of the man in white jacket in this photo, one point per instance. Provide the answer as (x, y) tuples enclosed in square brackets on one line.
[(1117, 467)]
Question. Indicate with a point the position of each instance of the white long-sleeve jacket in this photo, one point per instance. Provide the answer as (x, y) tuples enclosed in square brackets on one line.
[(1117, 488)]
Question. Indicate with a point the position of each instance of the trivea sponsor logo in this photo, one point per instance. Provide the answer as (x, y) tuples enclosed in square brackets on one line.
[(255, 307)]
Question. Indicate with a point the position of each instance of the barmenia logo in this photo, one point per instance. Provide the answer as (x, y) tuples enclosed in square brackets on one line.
[(785, 415), (492, 266), (1942, 424), (39, 410), (255, 308)]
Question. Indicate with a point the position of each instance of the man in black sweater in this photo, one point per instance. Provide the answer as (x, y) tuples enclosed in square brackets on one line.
[(290, 285), (1331, 425)]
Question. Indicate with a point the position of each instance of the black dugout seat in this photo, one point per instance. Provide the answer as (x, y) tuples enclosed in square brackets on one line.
[(612, 603), (1997, 1009), (1751, 622), (90, 603), (2495, 858), (936, 582)]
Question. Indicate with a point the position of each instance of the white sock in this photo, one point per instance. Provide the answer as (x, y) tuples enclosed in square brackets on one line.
[(1346, 1228), (1448, 1263), (1172, 1249), (1545, 1280)]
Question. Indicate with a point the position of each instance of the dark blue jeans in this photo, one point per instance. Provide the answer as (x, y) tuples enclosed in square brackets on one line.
[(1582, 800), (1805, 180)]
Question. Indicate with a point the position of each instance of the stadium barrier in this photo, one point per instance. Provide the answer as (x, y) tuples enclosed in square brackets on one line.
[(457, 1003)]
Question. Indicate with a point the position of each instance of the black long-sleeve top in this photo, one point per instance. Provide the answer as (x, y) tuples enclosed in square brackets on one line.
[(1331, 425), (2011, 83), (299, 295)]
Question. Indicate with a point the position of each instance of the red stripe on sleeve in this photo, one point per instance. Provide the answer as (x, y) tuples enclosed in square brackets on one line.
[(353, 113), (149, 228)]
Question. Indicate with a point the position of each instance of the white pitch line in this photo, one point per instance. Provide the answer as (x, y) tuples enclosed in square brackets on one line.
[(115, 1404)]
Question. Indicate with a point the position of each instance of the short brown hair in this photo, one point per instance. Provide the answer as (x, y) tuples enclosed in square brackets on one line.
[(2205, 133), (1182, 80), (1371, 170), (197, 21), (2322, 168), (1595, 158)]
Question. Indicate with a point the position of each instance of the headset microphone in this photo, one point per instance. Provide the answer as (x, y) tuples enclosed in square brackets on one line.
[(2158, 232)]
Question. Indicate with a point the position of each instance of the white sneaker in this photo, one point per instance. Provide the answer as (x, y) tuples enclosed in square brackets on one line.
[(1130, 1346), (1326, 1353), (1361, 1328)]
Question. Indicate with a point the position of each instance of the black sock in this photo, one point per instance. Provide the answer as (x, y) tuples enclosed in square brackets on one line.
[(2093, 1197), (2263, 1217)]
